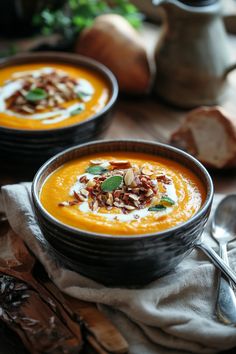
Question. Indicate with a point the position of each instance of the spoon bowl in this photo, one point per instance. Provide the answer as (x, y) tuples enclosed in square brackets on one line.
[(224, 220)]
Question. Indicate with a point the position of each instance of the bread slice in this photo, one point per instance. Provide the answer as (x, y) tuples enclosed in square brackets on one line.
[(209, 134)]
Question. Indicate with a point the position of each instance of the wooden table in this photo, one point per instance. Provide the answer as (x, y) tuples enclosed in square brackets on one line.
[(149, 118)]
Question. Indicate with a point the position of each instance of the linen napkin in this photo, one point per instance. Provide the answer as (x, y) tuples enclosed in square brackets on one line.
[(174, 314)]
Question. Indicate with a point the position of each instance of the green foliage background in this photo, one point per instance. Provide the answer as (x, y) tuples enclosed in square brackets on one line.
[(79, 14)]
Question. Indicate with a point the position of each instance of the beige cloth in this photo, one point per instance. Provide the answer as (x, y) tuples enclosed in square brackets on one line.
[(174, 314)]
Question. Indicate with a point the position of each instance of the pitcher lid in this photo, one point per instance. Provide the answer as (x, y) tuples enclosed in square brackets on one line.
[(199, 2)]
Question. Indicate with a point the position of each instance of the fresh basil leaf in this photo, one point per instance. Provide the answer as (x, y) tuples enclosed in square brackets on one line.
[(36, 94), (167, 201), (158, 207), (76, 111), (96, 170), (111, 183)]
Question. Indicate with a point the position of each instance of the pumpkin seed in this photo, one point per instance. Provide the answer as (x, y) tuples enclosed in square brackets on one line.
[(167, 201), (158, 207)]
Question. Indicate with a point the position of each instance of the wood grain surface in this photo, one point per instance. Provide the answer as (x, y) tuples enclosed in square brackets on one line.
[(148, 118)]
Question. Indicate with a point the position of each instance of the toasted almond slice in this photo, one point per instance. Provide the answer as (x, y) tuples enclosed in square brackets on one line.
[(77, 196), (120, 164), (133, 184), (133, 196), (39, 107), (82, 198), (118, 172), (119, 204), (129, 207), (62, 204), (27, 109), (95, 206), (110, 199), (73, 202), (23, 92), (147, 169), (149, 192), (160, 175), (97, 162), (84, 192), (136, 190), (91, 183), (136, 168), (129, 177)]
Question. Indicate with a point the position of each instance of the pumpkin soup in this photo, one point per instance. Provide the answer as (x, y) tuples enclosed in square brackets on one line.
[(122, 193), (47, 96)]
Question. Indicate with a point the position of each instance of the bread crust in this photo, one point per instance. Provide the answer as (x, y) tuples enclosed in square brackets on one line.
[(183, 137)]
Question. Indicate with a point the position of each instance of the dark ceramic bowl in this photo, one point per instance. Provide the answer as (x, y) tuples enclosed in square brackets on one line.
[(122, 260), (34, 147)]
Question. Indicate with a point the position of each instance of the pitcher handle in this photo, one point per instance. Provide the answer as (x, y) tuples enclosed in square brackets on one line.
[(229, 69)]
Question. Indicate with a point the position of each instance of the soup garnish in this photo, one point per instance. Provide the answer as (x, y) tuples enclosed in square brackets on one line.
[(117, 196), (50, 96)]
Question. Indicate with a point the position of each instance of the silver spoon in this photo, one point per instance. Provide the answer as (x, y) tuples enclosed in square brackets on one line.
[(223, 230)]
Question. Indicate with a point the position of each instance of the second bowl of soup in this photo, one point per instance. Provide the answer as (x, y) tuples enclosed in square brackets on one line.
[(122, 213), (49, 101)]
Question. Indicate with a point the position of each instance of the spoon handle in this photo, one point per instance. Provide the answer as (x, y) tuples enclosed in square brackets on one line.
[(218, 262), (226, 300)]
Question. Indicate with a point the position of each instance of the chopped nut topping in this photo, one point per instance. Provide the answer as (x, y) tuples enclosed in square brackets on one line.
[(147, 170), (129, 177), (134, 196), (38, 92), (120, 164), (129, 207), (96, 162), (163, 178), (149, 192), (128, 189), (84, 192)]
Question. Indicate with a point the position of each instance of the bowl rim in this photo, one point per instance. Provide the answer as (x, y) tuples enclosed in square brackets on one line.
[(67, 57), (206, 205)]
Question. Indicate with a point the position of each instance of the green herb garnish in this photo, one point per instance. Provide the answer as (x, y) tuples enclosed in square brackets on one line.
[(111, 183), (36, 94), (96, 170), (82, 95), (158, 207), (167, 201), (76, 111)]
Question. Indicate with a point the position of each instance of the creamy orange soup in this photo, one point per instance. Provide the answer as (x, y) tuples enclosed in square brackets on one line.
[(47, 96), (122, 194)]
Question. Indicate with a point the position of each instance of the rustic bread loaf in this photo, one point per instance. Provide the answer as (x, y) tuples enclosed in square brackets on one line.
[(209, 134)]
